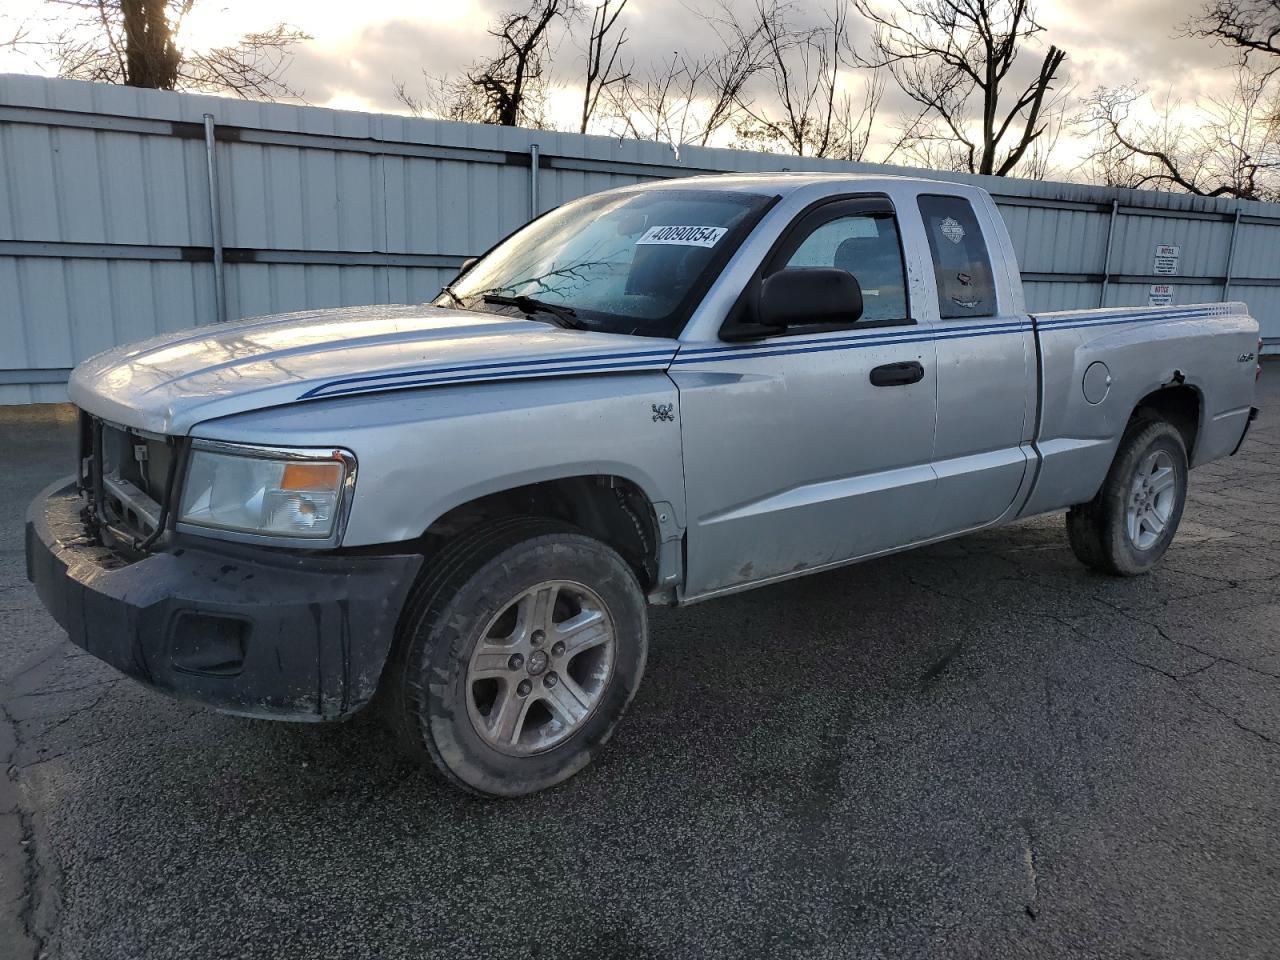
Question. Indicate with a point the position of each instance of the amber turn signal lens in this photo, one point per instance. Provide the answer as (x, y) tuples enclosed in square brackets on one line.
[(311, 476)]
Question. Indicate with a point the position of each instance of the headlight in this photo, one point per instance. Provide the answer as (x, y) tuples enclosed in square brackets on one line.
[(268, 491)]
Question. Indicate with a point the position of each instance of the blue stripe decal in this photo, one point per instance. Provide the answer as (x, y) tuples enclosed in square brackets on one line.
[(878, 335), (659, 359), (509, 375), (381, 378), (1085, 319), (913, 334), (1105, 323), (1079, 323), (910, 335)]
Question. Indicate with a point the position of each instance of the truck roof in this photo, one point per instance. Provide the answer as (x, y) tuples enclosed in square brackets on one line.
[(784, 182)]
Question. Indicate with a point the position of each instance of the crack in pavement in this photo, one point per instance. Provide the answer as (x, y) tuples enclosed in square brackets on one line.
[(1177, 678), (939, 666), (51, 691), (39, 899), (1216, 657), (1031, 858), (64, 753), (63, 717), (1234, 719), (33, 874)]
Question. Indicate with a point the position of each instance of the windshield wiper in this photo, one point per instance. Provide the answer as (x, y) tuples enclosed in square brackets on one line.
[(453, 296), (565, 317)]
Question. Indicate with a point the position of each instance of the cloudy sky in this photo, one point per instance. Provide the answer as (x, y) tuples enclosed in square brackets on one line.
[(360, 48)]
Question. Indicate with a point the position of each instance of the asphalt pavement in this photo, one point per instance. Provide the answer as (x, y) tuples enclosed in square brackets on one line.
[(978, 749)]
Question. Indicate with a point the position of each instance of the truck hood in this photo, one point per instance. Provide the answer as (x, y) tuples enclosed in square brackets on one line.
[(170, 383)]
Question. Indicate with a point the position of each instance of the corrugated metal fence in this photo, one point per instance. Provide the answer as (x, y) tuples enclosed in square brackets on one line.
[(120, 208)]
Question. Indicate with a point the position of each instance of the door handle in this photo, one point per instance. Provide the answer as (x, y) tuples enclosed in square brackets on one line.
[(897, 374)]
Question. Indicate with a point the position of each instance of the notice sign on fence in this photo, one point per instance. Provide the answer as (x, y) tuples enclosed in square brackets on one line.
[(1161, 294), (1166, 260)]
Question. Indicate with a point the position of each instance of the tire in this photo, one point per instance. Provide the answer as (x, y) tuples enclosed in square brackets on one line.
[(1102, 531), (498, 673)]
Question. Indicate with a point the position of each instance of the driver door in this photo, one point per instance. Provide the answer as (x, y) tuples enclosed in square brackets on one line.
[(794, 459)]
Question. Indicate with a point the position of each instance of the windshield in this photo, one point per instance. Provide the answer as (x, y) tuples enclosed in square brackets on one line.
[(622, 263)]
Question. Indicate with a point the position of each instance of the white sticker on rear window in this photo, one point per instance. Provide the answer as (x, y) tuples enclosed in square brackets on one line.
[(952, 230), (686, 236)]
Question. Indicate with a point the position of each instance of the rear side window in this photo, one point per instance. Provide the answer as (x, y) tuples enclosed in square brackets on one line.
[(961, 265)]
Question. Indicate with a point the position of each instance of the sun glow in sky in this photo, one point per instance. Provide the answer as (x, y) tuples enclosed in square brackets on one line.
[(332, 23), (359, 49)]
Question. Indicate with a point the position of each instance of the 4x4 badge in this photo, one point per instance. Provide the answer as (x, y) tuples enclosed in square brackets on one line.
[(662, 411)]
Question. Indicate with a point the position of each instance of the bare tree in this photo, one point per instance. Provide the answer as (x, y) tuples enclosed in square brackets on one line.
[(802, 106), (1038, 162), (448, 98), (603, 47), (510, 82), (1251, 27), (807, 111), (742, 55), (508, 88), (954, 59), (13, 37), (685, 99), (133, 42), (1231, 150), (663, 103)]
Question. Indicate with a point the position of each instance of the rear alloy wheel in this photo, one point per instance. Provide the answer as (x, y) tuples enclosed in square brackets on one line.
[(1153, 495), (1127, 527), (518, 653)]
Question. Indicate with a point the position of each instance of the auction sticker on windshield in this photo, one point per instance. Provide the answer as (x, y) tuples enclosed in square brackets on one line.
[(686, 236)]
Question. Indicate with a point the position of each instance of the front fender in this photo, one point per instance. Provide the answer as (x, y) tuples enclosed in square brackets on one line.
[(423, 452)]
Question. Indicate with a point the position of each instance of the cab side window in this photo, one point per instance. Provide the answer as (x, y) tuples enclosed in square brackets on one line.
[(866, 245), (961, 265)]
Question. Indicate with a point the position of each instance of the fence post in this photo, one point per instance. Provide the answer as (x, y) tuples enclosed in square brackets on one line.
[(533, 180), (1231, 255), (215, 221), (1106, 257)]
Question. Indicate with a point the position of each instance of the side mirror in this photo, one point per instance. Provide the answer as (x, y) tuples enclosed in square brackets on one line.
[(809, 295), (467, 264)]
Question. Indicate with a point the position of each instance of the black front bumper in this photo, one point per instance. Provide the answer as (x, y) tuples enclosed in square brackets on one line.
[(265, 633)]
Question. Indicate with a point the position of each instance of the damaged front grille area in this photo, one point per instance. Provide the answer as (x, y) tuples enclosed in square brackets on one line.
[(127, 479)]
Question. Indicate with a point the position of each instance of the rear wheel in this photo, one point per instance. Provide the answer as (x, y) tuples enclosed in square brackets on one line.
[(1127, 527), (517, 656)]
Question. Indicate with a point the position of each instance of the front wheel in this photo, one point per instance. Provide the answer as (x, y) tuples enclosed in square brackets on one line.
[(1127, 527), (518, 654)]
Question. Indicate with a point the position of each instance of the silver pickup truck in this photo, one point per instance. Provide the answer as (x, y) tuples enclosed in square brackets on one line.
[(667, 393)]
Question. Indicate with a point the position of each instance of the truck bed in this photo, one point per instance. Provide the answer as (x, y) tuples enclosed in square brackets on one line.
[(1119, 356)]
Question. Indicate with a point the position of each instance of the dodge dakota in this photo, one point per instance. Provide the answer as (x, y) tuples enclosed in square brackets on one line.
[(660, 394)]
